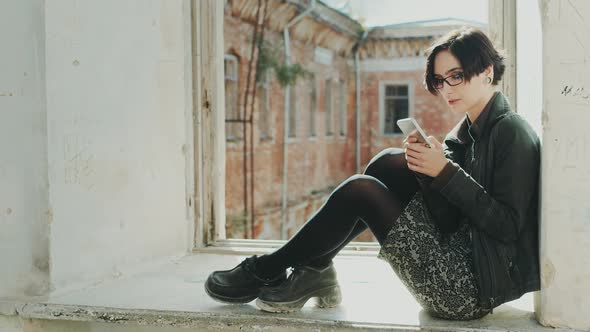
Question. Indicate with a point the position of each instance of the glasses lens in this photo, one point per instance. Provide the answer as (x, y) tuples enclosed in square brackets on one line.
[(455, 79), (438, 83)]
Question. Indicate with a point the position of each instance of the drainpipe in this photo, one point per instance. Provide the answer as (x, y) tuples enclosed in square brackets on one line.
[(358, 99), (284, 228)]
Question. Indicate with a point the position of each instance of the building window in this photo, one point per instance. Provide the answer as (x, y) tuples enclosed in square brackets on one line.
[(343, 107), (396, 105), (264, 116), (328, 103), (293, 111), (313, 105), (232, 114)]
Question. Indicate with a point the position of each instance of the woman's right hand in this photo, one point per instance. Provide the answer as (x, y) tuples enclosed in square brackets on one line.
[(412, 138)]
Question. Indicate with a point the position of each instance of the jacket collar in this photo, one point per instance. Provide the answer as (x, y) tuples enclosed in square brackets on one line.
[(465, 130)]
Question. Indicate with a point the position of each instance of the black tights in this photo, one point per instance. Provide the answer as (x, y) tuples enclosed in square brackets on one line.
[(374, 199)]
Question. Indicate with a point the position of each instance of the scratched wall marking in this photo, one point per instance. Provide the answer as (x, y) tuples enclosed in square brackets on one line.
[(77, 160), (577, 94)]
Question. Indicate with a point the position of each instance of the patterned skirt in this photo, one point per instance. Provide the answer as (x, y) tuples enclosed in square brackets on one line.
[(436, 268)]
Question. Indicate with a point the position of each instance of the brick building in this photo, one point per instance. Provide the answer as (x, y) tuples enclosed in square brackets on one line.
[(322, 142)]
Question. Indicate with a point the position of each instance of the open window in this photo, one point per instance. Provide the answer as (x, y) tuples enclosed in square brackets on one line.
[(391, 61), (395, 99)]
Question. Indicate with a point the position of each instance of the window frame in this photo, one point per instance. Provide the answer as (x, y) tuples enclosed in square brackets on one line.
[(342, 108), (205, 56), (382, 86), (312, 108), (265, 86), (233, 58), (293, 108), (329, 101)]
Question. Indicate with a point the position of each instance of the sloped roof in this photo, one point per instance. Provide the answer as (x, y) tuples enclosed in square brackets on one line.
[(424, 28), (333, 29)]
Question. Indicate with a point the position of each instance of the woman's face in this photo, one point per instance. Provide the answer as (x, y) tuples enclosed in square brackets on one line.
[(468, 97)]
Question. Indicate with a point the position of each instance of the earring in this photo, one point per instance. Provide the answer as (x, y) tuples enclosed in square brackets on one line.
[(489, 80)]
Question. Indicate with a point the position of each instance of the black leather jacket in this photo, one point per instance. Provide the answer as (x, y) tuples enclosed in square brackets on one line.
[(492, 183)]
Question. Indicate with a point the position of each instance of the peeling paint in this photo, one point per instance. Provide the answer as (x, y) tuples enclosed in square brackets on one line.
[(547, 273), (544, 9), (49, 216), (545, 119)]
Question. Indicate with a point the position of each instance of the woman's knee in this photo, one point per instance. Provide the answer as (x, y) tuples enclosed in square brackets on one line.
[(360, 182), (390, 158)]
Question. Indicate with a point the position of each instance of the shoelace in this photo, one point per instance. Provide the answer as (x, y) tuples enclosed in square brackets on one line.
[(250, 266), (294, 273)]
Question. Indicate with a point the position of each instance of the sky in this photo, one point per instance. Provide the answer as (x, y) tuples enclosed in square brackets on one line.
[(384, 12)]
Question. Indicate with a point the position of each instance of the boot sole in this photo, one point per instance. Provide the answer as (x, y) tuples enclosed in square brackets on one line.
[(229, 300), (327, 297)]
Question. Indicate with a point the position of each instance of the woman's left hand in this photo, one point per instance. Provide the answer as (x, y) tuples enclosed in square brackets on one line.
[(425, 160)]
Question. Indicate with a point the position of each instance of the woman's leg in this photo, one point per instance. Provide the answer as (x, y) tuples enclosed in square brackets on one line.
[(373, 200), (390, 167)]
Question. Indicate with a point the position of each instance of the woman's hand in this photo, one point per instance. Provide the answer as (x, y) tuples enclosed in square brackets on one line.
[(422, 159)]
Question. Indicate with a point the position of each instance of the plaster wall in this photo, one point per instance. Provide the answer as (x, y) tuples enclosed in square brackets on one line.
[(529, 63), (24, 212), (565, 230), (117, 74), (10, 324)]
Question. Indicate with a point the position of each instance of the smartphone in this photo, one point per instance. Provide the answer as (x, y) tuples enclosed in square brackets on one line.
[(408, 125)]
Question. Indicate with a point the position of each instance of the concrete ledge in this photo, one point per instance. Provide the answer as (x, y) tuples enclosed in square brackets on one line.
[(170, 297), (257, 321), (196, 320), (11, 307)]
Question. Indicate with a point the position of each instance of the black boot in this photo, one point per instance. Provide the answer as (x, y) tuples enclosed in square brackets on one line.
[(240, 284), (303, 283)]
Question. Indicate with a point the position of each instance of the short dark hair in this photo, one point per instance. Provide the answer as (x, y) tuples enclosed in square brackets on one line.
[(474, 50)]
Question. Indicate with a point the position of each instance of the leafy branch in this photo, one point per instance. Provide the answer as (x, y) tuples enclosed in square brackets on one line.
[(269, 58)]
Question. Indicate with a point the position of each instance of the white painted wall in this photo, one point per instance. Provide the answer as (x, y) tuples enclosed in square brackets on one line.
[(565, 234), (529, 66), (24, 214), (117, 74), (11, 324)]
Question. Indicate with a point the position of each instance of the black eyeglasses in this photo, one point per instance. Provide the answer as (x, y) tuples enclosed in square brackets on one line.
[(452, 80)]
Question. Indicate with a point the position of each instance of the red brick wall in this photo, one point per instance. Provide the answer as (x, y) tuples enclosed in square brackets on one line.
[(315, 164), (430, 111)]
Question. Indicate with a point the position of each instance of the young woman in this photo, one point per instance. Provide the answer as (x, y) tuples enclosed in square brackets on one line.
[(458, 221)]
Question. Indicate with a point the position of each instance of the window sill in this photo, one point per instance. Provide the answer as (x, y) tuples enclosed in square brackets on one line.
[(266, 140), (171, 296), (253, 247), (234, 142)]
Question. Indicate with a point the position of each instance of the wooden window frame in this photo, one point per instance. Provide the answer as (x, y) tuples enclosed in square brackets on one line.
[(209, 122), (382, 97)]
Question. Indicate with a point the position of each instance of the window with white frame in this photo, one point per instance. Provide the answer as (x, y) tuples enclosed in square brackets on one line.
[(343, 107), (313, 105), (264, 115), (396, 105), (328, 106), (232, 113), (211, 218)]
